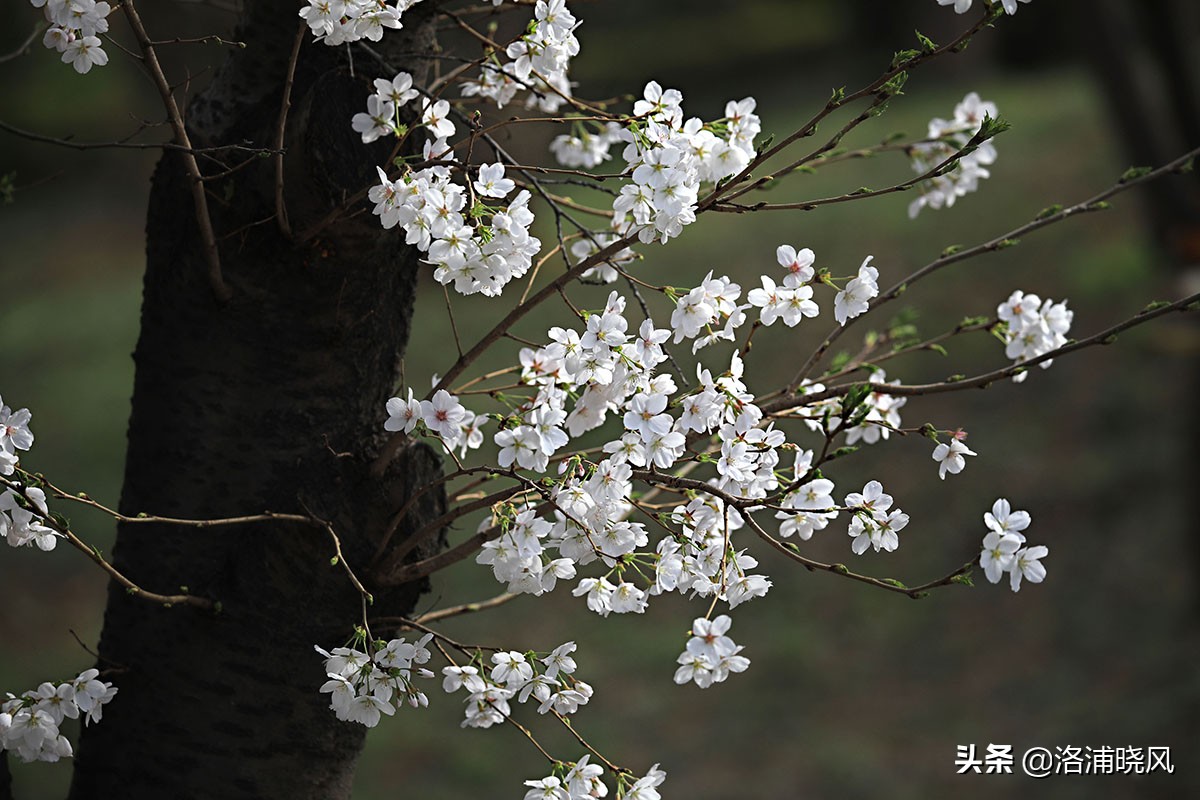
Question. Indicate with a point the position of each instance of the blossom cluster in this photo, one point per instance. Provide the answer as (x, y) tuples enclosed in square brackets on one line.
[(1004, 547), (74, 31), (517, 677), (539, 62), (363, 686), (583, 147), (443, 416), (474, 242), (710, 656), (338, 22), (669, 156), (867, 416), (22, 508), (792, 300), (1033, 327), (945, 139), (29, 724), (582, 780), (874, 522), (584, 517)]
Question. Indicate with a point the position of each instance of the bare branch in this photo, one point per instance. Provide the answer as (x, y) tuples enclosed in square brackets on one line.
[(212, 255), (281, 215)]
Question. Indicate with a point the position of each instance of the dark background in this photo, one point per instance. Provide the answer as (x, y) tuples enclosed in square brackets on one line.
[(852, 692)]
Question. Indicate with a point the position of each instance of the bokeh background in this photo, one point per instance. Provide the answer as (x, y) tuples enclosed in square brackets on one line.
[(852, 692)]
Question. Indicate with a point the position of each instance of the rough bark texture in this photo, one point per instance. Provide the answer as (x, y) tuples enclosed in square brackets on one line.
[(273, 401)]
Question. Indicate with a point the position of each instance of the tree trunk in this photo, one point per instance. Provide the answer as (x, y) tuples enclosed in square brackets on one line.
[(272, 401)]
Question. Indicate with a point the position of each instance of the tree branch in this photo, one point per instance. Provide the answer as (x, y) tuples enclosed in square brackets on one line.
[(212, 255)]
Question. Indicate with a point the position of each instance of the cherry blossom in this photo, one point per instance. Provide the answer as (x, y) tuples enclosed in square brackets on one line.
[(951, 457), (853, 300)]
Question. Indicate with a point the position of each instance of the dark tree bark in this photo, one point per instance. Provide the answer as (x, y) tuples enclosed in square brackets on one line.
[(272, 401), (1142, 55)]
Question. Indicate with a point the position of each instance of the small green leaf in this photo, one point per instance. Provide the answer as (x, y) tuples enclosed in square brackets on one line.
[(990, 128), (1133, 173), (855, 397), (893, 87)]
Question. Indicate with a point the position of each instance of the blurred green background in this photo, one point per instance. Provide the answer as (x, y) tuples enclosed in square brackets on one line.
[(852, 692)]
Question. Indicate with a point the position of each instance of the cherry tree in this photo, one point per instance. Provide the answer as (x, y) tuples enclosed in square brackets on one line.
[(291, 488)]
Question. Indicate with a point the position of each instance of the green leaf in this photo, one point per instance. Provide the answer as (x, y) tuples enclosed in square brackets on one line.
[(1133, 173), (893, 87), (855, 397), (990, 128)]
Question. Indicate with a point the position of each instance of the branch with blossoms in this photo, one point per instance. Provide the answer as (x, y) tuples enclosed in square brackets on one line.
[(618, 476), (25, 519)]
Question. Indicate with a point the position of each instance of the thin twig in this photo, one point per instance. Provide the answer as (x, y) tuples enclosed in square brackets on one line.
[(1092, 204), (25, 45), (467, 608), (211, 253), (281, 214), (127, 145)]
